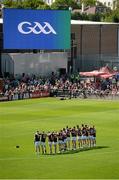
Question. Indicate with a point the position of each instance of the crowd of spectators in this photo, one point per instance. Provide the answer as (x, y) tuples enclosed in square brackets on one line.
[(66, 86), (22, 87)]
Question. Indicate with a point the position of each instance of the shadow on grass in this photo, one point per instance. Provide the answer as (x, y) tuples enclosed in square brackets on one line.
[(79, 150)]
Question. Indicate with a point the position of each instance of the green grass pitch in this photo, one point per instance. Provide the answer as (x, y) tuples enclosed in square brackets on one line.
[(20, 119)]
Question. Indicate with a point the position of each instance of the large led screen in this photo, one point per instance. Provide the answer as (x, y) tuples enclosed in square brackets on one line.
[(36, 29)]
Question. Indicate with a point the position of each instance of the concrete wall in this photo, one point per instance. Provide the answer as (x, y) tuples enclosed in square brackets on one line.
[(41, 64), (90, 39), (96, 45), (109, 39), (7, 64)]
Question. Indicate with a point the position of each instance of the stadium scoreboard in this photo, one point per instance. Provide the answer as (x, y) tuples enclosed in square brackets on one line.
[(36, 29)]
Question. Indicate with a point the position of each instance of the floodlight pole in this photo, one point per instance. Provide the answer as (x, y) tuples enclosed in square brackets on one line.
[(72, 56)]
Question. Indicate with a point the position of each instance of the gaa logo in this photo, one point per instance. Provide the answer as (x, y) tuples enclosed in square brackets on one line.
[(35, 28)]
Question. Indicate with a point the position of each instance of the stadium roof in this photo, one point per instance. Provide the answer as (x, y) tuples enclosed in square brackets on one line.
[(77, 22)]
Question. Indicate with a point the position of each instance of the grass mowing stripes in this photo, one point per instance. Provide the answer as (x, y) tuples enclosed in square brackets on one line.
[(20, 119)]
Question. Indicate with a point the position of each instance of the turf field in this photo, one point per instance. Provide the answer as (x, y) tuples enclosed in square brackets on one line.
[(20, 119)]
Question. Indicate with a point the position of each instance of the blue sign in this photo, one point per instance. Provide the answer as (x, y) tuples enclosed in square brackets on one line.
[(36, 29)]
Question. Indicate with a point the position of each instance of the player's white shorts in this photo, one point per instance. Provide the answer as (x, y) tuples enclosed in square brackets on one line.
[(43, 144), (73, 138), (94, 138), (68, 139), (79, 138), (50, 143), (91, 137), (83, 137), (65, 140), (60, 142), (87, 137), (37, 143), (55, 143)]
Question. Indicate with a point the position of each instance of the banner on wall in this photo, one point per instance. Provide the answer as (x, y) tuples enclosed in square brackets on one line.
[(36, 29)]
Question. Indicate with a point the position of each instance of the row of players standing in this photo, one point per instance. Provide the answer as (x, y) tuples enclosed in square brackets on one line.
[(66, 139)]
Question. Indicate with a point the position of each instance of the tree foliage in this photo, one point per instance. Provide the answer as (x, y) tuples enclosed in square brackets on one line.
[(84, 16), (26, 4), (64, 4), (113, 16), (88, 2)]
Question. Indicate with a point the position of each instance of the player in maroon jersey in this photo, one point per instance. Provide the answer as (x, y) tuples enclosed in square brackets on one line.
[(50, 141)]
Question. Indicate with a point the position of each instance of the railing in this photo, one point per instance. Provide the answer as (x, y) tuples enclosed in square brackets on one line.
[(62, 94), (24, 95), (82, 93)]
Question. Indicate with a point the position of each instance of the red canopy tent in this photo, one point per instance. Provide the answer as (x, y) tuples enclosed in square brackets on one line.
[(92, 73), (104, 72)]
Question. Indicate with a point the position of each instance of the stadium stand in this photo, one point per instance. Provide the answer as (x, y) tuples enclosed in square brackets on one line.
[(65, 87)]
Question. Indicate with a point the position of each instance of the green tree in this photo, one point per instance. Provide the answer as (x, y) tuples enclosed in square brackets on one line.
[(118, 4), (79, 16), (26, 4), (64, 4), (8, 3), (85, 17), (95, 17), (43, 6), (113, 16), (76, 16), (88, 2), (32, 4)]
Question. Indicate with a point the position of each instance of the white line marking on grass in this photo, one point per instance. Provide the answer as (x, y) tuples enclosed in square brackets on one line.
[(44, 156)]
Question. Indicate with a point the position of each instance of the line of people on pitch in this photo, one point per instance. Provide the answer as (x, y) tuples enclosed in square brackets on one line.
[(65, 139)]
